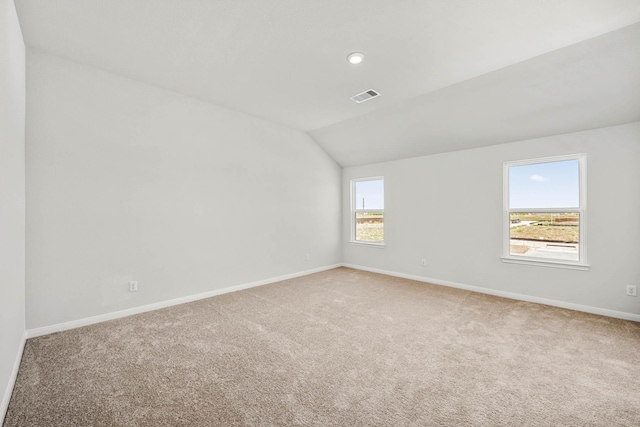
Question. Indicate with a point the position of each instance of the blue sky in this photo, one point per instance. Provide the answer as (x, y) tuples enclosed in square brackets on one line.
[(545, 185), (372, 192)]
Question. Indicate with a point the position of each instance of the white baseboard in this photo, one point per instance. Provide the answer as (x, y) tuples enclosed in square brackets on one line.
[(4, 405), (504, 294), (31, 333), (59, 327)]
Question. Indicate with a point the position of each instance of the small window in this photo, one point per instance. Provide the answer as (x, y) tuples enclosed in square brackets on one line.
[(367, 211), (545, 211)]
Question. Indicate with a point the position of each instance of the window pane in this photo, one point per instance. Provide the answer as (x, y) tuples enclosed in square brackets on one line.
[(370, 226), (545, 235), (369, 194), (545, 185)]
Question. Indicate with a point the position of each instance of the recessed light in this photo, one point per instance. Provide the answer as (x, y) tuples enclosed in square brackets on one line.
[(355, 58)]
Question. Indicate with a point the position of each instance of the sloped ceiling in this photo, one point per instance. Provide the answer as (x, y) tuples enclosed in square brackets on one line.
[(592, 84), (453, 74)]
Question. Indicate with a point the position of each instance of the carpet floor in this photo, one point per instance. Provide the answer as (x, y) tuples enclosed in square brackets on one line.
[(338, 348)]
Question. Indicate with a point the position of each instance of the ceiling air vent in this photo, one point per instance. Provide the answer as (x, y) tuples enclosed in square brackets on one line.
[(365, 96)]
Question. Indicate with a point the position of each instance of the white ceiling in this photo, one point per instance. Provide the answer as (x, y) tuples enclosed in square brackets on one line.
[(439, 64), (592, 84)]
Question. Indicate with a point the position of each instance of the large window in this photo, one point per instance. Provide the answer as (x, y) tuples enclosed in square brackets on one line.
[(367, 210), (545, 211)]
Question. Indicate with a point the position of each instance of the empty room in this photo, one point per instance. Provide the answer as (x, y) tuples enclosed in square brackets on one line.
[(319, 213)]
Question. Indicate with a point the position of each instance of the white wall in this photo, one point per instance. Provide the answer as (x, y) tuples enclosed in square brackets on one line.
[(128, 181), (12, 198), (448, 208)]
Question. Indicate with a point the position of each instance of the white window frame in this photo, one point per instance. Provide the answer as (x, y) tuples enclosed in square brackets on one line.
[(581, 264), (355, 210)]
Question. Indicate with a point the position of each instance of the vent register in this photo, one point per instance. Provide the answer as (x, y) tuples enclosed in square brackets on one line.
[(365, 96)]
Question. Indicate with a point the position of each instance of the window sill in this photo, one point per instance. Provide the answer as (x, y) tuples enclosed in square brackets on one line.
[(545, 263), (370, 244)]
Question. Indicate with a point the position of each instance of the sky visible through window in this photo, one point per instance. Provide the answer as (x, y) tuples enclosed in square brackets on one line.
[(370, 194), (545, 185)]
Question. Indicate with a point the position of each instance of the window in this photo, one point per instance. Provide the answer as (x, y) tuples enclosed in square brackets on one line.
[(367, 211), (545, 211)]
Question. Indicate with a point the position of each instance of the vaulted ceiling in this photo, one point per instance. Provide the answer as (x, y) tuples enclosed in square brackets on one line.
[(453, 74)]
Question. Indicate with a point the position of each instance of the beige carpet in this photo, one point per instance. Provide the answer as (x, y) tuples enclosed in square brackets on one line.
[(338, 348)]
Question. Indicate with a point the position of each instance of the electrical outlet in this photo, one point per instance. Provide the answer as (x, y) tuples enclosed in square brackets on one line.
[(632, 291), (306, 256), (423, 262), (133, 286)]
